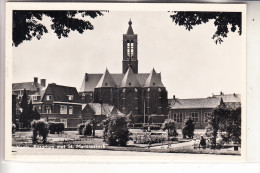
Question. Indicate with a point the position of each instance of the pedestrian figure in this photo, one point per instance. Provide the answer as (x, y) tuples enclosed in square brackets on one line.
[(202, 143), (169, 145), (149, 144)]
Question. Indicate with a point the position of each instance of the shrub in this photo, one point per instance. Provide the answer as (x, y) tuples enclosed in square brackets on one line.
[(170, 125), (188, 129), (13, 128), (80, 128), (39, 127), (87, 130), (56, 127), (115, 130)]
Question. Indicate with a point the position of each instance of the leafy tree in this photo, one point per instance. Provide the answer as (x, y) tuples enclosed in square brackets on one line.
[(24, 101), (222, 20), (188, 129), (30, 111), (13, 109), (27, 24), (236, 126), (115, 130), (218, 120), (24, 117), (170, 125), (27, 114), (233, 126), (13, 128), (36, 115)]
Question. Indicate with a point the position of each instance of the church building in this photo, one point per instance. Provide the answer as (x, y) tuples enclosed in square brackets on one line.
[(129, 91)]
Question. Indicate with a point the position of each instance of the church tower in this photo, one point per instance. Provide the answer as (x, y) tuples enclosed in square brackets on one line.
[(130, 50)]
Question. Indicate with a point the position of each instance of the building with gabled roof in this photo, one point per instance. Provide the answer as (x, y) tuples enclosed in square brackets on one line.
[(33, 89), (199, 108), (98, 112), (61, 104), (129, 91)]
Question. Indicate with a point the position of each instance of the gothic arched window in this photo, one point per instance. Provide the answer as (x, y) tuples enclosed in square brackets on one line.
[(130, 48)]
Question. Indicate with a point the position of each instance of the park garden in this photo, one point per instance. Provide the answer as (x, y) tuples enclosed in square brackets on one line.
[(222, 136)]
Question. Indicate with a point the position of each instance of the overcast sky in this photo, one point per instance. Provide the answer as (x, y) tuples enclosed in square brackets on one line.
[(192, 65)]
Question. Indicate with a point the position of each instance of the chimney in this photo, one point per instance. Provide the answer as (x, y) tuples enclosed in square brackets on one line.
[(221, 93), (86, 77), (35, 80), (173, 97), (43, 82), (234, 94)]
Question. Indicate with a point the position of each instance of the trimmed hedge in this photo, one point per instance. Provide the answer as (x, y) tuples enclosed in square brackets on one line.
[(56, 127)]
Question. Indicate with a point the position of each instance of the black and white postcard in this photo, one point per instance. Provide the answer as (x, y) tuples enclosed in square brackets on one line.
[(125, 82)]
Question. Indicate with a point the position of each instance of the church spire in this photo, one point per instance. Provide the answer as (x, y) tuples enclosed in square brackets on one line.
[(130, 29)]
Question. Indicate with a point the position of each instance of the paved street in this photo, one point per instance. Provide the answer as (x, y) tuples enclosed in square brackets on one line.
[(41, 151)]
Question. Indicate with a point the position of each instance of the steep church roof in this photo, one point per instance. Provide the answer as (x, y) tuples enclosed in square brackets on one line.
[(130, 79), (130, 29), (106, 80), (153, 80), (91, 80)]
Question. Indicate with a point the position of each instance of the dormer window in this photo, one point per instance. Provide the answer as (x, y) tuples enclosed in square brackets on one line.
[(153, 83), (34, 97), (105, 84), (70, 97), (49, 97), (129, 83)]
